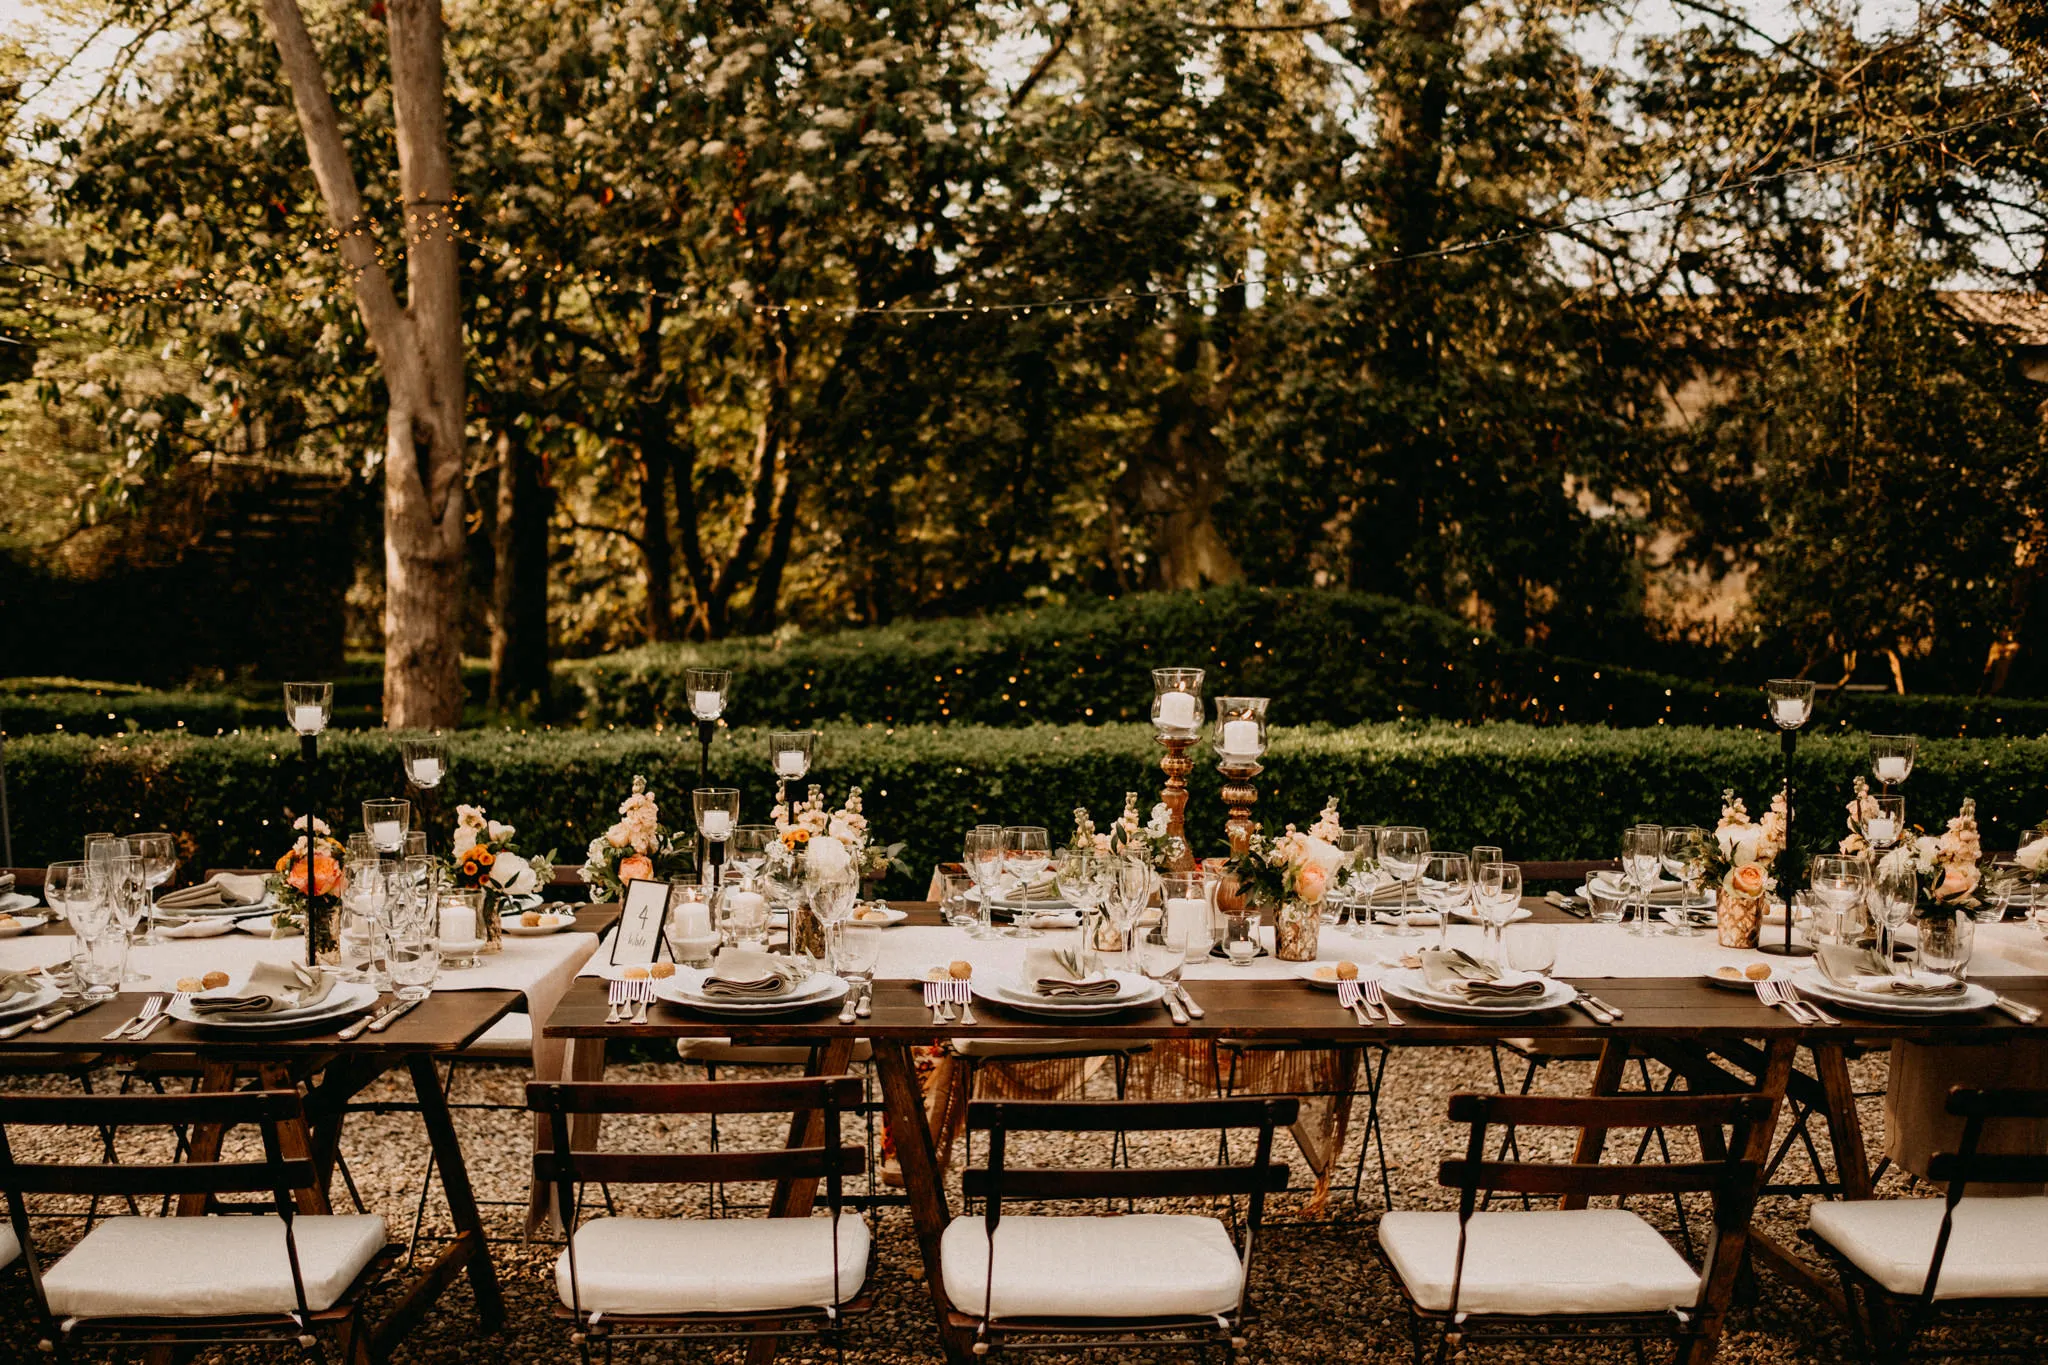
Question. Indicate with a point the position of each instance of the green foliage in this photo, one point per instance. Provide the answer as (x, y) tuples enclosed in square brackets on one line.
[(1557, 793)]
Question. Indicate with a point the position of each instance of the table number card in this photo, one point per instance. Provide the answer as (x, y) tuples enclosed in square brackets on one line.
[(639, 939)]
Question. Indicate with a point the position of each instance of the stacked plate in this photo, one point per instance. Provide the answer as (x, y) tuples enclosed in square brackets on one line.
[(1609, 886), (14, 902), (1011, 993), (21, 923), (30, 1002), (686, 988), (346, 998), (1409, 986), (1972, 997)]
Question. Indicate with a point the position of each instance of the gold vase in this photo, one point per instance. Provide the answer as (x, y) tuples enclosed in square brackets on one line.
[(1297, 926), (1739, 919)]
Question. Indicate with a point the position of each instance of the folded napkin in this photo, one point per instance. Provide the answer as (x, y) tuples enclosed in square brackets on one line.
[(1611, 885), (1860, 969), (752, 976), (18, 985), (221, 891), (210, 927), (1047, 888), (1060, 988), (750, 988), (1452, 971), (272, 986)]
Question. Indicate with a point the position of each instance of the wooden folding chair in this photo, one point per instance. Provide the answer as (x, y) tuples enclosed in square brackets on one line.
[(719, 1279), (239, 1277), (1591, 1273), (1912, 1264), (1093, 1282)]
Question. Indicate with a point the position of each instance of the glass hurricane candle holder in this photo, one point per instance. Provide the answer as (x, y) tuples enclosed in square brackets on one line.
[(790, 753), (707, 688), (425, 761), (1791, 702), (308, 706), (1177, 702), (717, 810), (387, 822), (1891, 758), (1240, 733)]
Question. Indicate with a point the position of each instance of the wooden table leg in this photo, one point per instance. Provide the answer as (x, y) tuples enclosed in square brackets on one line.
[(1724, 1262), (922, 1182), (1606, 1081), (467, 1251), (794, 1198), (1845, 1127), (205, 1142)]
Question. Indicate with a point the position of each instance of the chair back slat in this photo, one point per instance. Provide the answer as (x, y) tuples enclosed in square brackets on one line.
[(1968, 1102), (702, 1168), (1599, 1182), (132, 1178), (1131, 1116), (1988, 1168), (145, 1109), (713, 1097), (1127, 1182), (1610, 1111)]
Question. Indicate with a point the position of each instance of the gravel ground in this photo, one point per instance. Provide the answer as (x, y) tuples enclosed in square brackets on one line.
[(1320, 1292)]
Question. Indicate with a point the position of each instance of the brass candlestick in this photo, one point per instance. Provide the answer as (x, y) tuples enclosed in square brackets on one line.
[(1240, 796), (1174, 795)]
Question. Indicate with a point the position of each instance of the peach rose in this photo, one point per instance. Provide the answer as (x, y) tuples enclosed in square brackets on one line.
[(1310, 882), (1957, 879), (1747, 880), (637, 868)]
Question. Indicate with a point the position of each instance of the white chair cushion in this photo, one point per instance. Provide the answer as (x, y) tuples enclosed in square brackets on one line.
[(209, 1267), (725, 1052), (508, 1040), (713, 1265), (1998, 1249), (1129, 1266), (996, 1049), (1540, 1262), (9, 1248)]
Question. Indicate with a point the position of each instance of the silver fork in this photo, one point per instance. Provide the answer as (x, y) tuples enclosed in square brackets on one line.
[(1378, 1000), (1348, 998), (934, 994), (615, 992), (1767, 991), (644, 993), (151, 1007), (965, 993), (163, 1017), (1791, 995)]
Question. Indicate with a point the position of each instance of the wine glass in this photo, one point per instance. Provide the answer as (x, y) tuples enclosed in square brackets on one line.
[(1642, 861), (361, 933), (1027, 854), (1163, 952), (1130, 886), (1482, 854), (1891, 759), (1498, 895), (62, 884), (749, 849), (159, 854), (983, 854), (1446, 886), (1403, 851), (1685, 859), (128, 892), (1835, 883), (1882, 822), (104, 848), (1891, 902), (1338, 898), (858, 951), (1081, 875), (425, 760)]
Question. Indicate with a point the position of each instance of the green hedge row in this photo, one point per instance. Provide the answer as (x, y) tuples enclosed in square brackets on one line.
[(1549, 792)]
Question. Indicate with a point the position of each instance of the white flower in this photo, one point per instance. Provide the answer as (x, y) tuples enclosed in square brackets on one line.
[(1739, 842), (514, 874), (499, 833), (2033, 855), (1320, 853), (465, 839), (469, 817), (826, 857), (1156, 826), (599, 850)]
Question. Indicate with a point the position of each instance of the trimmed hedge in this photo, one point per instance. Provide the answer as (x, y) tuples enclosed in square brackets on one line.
[(1552, 792)]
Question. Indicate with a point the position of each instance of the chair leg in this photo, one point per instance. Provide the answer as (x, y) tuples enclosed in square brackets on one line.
[(1372, 1137)]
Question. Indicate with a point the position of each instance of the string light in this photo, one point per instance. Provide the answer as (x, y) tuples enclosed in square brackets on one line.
[(427, 218)]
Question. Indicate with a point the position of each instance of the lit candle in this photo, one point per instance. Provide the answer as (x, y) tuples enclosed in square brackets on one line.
[(1188, 918), (1178, 710), (426, 772), (386, 834), (1880, 830), (749, 907), (693, 920), (1891, 768), (1790, 712), (1240, 738), (306, 719), (458, 925), (717, 824), (789, 764), (705, 704)]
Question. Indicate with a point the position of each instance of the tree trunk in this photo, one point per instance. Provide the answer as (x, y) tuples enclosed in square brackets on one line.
[(652, 429), (519, 580), (419, 350)]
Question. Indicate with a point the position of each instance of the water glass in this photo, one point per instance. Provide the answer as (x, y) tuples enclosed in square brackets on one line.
[(1241, 938), (415, 961), (1531, 947), (99, 961), (857, 949), (1163, 951), (955, 906), (1949, 953)]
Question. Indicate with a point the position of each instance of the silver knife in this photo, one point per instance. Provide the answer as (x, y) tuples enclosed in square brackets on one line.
[(1173, 1009), (1604, 1005), (355, 1030), (1188, 1001), (385, 1021), (2026, 1014), (15, 1030), (1593, 1007), (72, 1011)]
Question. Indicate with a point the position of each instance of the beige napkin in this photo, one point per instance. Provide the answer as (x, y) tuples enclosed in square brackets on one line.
[(272, 986), (1610, 885), (1861, 970), (1060, 989), (15, 985), (210, 926), (757, 977), (1452, 971), (1046, 889), (221, 891)]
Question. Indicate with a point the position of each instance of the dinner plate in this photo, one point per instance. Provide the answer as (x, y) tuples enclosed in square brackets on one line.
[(346, 998), (14, 902), (36, 1000), (1368, 970), (1016, 999), (1974, 997), (884, 915), (240, 987), (263, 928), (1608, 891), (511, 925), (22, 923), (1522, 912), (1408, 986), (820, 988)]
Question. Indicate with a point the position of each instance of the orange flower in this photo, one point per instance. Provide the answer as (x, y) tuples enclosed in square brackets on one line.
[(796, 838), (326, 874), (469, 868), (484, 857), (637, 868), (1747, 880)]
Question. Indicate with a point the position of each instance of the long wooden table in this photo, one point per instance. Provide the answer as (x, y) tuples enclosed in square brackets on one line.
[(1715, 1039)]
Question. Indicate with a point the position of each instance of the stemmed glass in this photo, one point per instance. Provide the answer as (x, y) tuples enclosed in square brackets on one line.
[(63, 885), (1498, 896), (1446, 886), (1403, 851), (361, 934), (1338, 898), (983, 855), (1892, 897), (858, 950), (749, 850), (1082, 876), (1362, 878), (1685, 858), (1891, 759), (1642, 861), (832, 899), (790, 754), (1130, 886), (1835, 882), (159, 854), (1027, 854), (92, 922), (718, 814), (128, 892), (104, 848), (425, 760), (1883, 823)]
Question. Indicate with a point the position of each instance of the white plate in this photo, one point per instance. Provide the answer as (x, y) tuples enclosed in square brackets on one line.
[(1522, 912), (1587, 890), (262, 928), (1974, 997), (14, 902), (1408, 986), (1369, 969), (22, 923), (1134, 990), (31, 1003), (346, 998), (511, 925), (820, 988), (239, 986), (1003, 902), (888, 915)]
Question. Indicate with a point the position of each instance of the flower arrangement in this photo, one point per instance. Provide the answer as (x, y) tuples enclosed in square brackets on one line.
[(288, 882), (1296, 866), (1741, 851), (485, 858), (638, 847), (1145, 839), (828, 841), (1944, 866)]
